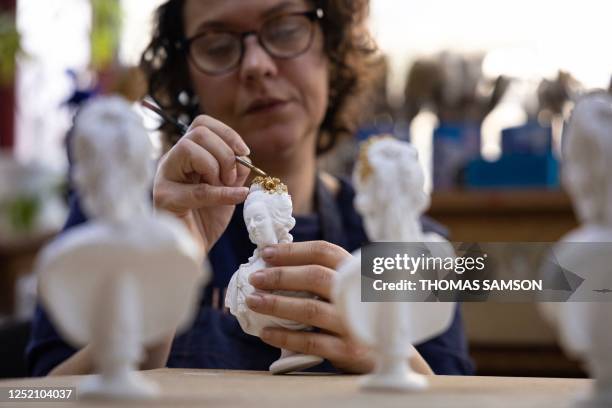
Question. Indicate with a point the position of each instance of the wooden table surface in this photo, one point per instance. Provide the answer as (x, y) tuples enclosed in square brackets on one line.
[(223, 388)]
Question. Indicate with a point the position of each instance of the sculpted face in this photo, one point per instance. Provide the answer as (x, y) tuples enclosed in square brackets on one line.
[(260, 224)]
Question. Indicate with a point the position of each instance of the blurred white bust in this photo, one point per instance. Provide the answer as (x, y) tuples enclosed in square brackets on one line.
[(389, 181), (111, 150), (128, 277), (584, 320), (587, 154)]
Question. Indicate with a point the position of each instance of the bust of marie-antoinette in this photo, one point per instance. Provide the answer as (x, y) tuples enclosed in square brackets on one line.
[(267, 215)]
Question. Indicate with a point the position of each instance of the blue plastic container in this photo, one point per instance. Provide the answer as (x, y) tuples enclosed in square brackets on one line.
[(531, 138), (515, 171), (455, 145)]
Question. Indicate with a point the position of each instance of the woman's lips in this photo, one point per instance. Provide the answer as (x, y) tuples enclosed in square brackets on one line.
[(269, 106)]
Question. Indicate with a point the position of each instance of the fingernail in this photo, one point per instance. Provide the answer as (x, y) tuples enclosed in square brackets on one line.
[(268, 253), (243, 149), (257, 278), (255, 301), (240, 192)]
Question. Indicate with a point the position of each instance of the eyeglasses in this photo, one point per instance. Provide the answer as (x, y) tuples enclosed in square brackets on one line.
[(286, 36)]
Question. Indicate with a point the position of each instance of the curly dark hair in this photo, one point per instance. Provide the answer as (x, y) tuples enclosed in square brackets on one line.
[(347, 43)]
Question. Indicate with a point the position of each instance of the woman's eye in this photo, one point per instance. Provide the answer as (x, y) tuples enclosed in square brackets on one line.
[(285, 31), (223, 48), (215, 45)]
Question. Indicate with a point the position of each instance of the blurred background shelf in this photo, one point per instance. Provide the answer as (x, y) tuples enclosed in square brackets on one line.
[(17, 259), (504, 215)]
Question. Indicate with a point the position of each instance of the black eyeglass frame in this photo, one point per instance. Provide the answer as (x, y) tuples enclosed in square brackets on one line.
[(185, 44)]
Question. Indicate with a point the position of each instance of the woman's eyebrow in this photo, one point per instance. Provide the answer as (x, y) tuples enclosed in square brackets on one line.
[(219, 24), (285, 5), (212, 25)]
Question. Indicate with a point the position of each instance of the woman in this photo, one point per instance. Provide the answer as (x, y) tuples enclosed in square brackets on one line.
[(276, 80)]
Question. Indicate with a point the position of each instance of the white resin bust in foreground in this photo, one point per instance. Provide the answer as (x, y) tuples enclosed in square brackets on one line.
[(127, 278), (267, 215), (585, 325), (389, 182)]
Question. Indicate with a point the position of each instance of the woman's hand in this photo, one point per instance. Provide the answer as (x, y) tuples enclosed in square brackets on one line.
[(307, 266), (199, 182)]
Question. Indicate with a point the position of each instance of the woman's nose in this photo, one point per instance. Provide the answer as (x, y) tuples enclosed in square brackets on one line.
[(256, 62)]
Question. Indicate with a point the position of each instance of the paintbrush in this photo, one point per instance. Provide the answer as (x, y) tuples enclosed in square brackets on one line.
[(182, 128)]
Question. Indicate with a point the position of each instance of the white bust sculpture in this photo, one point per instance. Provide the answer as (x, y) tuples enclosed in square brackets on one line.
[(585, 325), (128, 277), (389, 182), (267, 215)]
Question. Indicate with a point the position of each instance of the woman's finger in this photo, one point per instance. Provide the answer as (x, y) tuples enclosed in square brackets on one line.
[(222, 153), (243, 174), (305, 253), (340, 352), (315, 279), (229, 135), (308, 311), (187, 158)]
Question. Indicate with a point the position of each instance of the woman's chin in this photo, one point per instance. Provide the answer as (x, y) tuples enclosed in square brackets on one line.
[(275, 147), (274, 142)]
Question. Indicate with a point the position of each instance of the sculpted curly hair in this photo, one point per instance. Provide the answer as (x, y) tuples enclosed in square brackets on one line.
[(347, 44)]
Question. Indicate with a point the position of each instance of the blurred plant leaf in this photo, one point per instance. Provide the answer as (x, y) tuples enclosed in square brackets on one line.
[(22, 212), (9, 47), (106, 27)]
